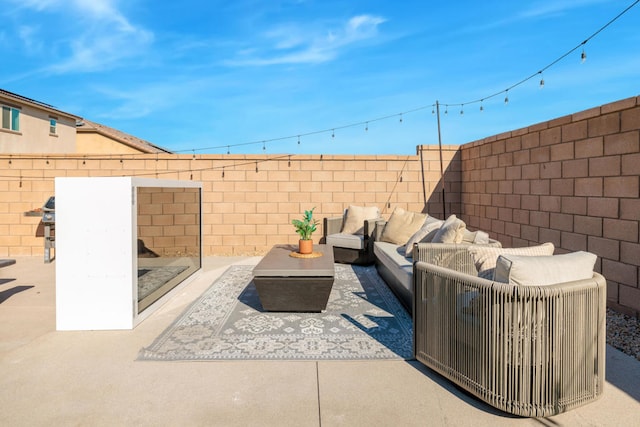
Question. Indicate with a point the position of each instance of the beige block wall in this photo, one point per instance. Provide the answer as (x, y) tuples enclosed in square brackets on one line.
[(248, 201), (573, 181)]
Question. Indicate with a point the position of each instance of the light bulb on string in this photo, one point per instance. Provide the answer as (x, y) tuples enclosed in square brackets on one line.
[(541, 79), (366, 127), (462, 109), (298, 139), (506, 98), (433, 110), (333, 133), (228, 150), (194, 154), (583, 56), (446, 109), (481, 106), (400, 117), (264, 147)]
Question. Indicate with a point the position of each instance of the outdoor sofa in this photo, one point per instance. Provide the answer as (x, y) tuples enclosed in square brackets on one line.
[(433, 241), (533, 346)]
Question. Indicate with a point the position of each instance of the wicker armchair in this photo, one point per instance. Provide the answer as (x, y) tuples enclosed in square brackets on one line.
[(528, 350)]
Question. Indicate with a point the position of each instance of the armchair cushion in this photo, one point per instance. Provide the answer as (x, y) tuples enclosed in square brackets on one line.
[(544, 270), (343, 240), (402, 225), (355, 218), (485, 257), (452, 231)]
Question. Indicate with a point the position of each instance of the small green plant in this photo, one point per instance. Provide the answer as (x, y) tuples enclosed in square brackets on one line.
[(307, 226)]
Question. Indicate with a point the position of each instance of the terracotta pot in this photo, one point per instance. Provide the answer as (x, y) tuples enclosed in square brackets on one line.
[(305, 246)]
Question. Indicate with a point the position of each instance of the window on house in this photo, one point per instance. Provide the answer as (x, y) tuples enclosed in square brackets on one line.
[(10, 118), (52, 125)]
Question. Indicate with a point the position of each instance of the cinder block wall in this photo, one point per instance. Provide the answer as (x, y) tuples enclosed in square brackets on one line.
[(248, 201), (573, 181)]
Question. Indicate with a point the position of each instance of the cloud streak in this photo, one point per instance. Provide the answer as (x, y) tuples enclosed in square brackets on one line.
[(294, 44), (98, 35)]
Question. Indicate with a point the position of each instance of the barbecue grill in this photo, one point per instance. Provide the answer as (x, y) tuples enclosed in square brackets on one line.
[(49, 222)]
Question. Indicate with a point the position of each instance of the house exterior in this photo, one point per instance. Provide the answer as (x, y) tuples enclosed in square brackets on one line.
[(94, 138), (30, 126)]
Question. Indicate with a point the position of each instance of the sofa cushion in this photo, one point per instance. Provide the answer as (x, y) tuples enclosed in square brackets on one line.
[(356, 216), (424, 234), (452, 231), (485, 257), (401, 226), (342, 240), (393, 257), (544, 270), (475, 237)]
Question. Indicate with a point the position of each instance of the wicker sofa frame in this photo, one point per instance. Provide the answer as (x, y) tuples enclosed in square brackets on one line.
[(532, 351)]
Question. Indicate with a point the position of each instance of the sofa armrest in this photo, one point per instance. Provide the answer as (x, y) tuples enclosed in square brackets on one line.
[(454, 256), (379, 227), (331, 225)]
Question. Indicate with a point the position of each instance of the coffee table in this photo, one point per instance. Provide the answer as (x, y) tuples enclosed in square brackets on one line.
[(286, 283)]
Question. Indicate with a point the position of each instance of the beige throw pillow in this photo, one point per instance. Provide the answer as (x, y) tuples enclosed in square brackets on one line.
[(356, 216), (430, 225), (544, 270), (401, 226), (485, 257), (452, 231)]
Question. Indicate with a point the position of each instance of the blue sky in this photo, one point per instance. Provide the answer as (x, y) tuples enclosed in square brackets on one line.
[(217, 76)]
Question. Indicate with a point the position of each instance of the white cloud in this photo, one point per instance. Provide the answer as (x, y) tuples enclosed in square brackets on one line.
[(96, 34), (296, 44)]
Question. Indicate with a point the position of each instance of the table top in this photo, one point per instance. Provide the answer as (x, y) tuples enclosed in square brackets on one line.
[(279, 263)]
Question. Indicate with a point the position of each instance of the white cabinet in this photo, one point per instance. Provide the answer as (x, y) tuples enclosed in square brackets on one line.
[(124, 245)]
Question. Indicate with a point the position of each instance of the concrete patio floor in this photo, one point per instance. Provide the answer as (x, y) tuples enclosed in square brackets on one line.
[(92, 378)]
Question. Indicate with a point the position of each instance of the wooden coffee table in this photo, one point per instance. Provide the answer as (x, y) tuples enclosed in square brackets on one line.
[(286, 283)]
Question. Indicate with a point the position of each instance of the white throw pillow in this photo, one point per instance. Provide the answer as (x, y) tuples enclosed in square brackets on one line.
[(452, 231), (401, 226), (544, 270), (356, 216), (430, 225), (485, 257)]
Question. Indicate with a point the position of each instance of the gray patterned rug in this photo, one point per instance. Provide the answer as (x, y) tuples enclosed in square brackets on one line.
[(363, 321), (152, 278)]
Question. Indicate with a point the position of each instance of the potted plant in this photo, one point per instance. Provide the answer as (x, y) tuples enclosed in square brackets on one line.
[(305, 229)]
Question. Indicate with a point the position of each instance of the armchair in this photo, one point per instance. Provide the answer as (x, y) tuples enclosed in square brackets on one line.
[(351, 244), (530, 350)]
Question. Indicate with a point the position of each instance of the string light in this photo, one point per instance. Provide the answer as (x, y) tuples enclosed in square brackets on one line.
[(583, 57), (462, 109), (333, 133), (366, 127), (264, 147)]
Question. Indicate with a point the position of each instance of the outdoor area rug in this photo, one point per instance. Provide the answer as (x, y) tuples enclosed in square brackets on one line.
[(363, 321), (152, 278)]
